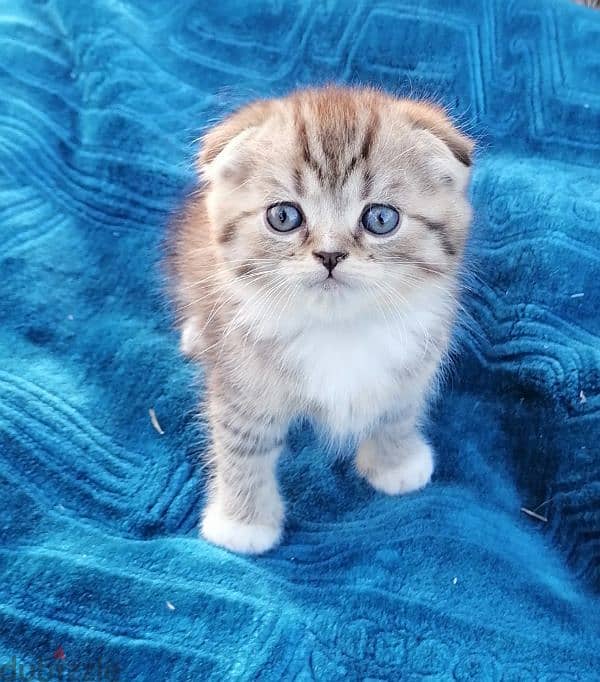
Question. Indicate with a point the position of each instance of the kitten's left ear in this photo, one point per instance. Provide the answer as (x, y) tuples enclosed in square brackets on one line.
[(218, 139), (434, 119)]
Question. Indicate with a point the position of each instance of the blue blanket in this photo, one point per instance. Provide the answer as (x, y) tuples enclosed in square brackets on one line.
[(102, 575)]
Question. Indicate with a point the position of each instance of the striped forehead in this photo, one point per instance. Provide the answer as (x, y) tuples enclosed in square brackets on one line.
[(334, 141)]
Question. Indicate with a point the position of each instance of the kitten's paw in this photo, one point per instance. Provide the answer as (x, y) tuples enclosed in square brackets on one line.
[(190, 336), (238, 536), (404, 475)]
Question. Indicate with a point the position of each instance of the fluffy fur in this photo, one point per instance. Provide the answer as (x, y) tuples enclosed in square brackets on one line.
[(277, 335)]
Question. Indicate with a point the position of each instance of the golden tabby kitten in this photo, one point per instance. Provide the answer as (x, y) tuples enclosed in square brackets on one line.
[(316, 274)]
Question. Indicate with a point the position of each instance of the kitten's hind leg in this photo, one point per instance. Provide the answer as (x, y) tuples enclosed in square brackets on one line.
[(244, 511), (396, 461)]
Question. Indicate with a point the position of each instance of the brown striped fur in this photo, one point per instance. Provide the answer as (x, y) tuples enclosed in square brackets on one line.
[(278, 337)]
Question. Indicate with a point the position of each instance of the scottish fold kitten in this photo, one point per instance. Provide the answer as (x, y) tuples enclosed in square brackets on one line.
[(316, 273)]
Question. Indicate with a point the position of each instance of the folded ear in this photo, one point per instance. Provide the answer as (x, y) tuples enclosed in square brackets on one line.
[(434, 119), (217, 138)]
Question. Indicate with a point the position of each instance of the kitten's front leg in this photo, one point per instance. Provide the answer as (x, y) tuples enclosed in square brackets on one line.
[(244, 511), (396, 460)]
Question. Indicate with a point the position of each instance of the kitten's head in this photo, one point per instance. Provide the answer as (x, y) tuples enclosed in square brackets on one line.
[(337, 199)]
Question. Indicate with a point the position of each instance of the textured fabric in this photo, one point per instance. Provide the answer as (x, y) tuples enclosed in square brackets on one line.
[(100, 564)]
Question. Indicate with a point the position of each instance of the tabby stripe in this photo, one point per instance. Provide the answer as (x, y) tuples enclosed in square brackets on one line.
[(245, 269), (367, 187), (371, 130), (247, 436), (249, 428), (305, 147), (441, 230), (298, 182), (351, 166), (244, 447), (227, 233)]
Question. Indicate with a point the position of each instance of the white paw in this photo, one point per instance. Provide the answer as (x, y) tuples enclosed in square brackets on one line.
[(190, 336), (238, 536), (407, 473)]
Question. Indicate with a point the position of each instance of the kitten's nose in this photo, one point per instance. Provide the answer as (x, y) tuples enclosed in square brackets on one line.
[(330, 258)]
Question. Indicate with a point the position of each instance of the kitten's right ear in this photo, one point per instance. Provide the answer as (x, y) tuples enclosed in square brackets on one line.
[(218, 139)]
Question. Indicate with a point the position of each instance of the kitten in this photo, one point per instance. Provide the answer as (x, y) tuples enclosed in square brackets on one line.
[(316, 274)]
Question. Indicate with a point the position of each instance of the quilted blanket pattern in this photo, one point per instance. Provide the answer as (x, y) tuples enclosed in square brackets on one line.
[(102, 574)]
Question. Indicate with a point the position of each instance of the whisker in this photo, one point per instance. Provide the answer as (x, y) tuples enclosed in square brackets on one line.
[(247, 279)]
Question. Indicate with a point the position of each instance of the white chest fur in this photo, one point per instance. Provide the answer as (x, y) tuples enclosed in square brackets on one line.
[(351, 372)]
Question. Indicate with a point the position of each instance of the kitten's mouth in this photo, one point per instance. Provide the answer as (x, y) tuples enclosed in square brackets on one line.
[(330, 283)]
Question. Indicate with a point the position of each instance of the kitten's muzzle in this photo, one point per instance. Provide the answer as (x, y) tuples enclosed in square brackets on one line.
[(330, 259)]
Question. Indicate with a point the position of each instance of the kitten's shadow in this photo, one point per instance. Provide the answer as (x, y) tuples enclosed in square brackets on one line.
[(319, 482)]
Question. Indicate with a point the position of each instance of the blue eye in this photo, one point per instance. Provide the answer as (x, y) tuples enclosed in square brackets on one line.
[(284, 217), (380, 219)]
